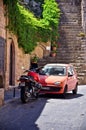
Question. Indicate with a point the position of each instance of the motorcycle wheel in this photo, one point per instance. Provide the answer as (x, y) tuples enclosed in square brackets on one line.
[(26, 94)]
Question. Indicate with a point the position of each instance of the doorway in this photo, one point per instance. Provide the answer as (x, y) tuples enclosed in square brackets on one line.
[(12, 65)]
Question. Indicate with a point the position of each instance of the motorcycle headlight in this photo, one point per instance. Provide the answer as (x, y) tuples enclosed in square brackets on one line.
[(57, 83)]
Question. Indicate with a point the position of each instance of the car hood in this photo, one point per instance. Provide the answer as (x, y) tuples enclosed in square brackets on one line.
[(51, 79)]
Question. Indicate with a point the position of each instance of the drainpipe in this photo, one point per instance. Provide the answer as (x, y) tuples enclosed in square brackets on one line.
[(83, 12)]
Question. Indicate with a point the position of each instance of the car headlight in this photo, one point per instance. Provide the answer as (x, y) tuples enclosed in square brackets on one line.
[(57, 83)]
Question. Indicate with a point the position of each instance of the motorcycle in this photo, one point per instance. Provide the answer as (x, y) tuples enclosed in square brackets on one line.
[(29, 86)]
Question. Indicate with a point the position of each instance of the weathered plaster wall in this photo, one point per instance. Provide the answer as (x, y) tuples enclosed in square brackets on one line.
[(21, 59)]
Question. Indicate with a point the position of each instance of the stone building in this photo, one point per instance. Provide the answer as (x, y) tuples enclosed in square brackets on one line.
[(12, 58)]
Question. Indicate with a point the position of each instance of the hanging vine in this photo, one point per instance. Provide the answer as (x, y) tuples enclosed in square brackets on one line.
[(30, 29)]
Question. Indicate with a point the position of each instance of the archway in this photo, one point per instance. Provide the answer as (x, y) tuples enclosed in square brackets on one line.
[(12, 65)]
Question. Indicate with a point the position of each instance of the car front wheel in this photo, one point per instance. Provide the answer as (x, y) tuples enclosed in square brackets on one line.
[(75, 90), (64, 93)]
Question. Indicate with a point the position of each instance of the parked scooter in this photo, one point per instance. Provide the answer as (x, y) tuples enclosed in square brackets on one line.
[(29, 86)]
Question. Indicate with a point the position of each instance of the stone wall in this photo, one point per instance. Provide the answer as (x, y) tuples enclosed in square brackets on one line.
[(72, 43), (2, 39), (2, 50)]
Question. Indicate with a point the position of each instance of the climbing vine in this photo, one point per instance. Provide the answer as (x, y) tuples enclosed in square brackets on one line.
[(30, 29)]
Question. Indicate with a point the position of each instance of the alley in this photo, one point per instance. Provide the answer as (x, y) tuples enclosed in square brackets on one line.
[(46, 113)]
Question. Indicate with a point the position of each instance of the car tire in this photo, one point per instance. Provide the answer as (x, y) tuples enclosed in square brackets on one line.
[(64, 93), (75, 90)]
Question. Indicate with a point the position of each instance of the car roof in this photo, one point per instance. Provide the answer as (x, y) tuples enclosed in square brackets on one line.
[(57, 64)]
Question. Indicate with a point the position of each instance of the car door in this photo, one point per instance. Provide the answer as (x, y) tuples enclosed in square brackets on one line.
[(70, 78), (74, 77)]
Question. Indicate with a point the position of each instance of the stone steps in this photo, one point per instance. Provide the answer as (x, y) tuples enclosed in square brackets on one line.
[(72, 48)]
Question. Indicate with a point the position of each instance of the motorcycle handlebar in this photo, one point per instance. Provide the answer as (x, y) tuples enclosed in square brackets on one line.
[(34, 70)]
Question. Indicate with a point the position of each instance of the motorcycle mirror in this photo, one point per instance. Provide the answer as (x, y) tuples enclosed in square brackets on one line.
[(26, 71)]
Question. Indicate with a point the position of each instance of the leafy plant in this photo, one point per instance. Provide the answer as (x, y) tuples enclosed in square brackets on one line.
[(54, 45), (54, 51), (30, 30), (81, 34), (34, 59)]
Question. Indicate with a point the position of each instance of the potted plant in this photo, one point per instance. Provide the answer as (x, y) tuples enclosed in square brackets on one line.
[(34, 62), (53, 53), (34, 59), (54, 46), (82, 34)]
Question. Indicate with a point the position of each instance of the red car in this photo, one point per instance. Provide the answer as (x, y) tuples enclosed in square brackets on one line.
[(58, 79)]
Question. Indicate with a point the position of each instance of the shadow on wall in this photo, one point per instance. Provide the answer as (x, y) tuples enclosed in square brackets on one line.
[(2, 57)]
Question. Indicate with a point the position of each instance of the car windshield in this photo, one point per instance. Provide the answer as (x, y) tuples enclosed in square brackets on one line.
[(53, 70)]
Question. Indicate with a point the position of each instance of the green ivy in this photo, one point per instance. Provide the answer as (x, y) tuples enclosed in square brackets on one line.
[(30, 29)]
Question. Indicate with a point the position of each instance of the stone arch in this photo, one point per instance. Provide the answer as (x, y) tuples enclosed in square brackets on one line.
[(12, 64)]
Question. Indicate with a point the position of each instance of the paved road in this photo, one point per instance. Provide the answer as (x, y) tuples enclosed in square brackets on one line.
[(46, 113)]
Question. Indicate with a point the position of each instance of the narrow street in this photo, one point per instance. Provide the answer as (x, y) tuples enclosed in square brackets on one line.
[(46, 113)]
